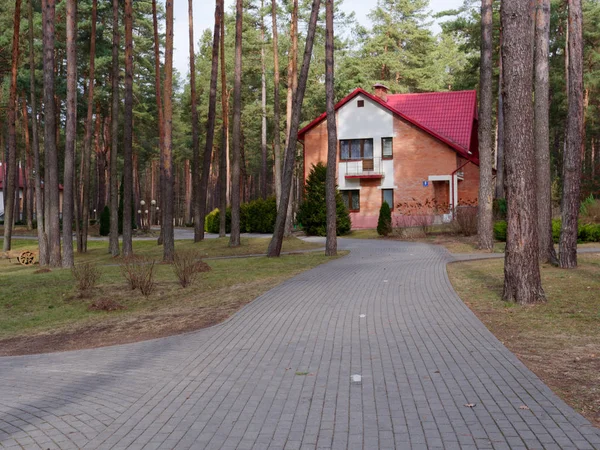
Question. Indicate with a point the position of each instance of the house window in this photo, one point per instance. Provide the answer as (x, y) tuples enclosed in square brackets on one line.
[(356, 149), (386, 147), (352, 200), (388, 197), (360, 103)]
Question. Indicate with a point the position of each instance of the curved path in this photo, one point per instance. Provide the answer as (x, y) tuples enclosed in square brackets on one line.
[(279, 374)]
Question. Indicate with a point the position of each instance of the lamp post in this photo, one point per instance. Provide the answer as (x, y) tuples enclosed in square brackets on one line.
[(152, 215)]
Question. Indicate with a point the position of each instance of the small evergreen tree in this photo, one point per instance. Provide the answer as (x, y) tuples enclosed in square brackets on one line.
[(312, 211), (105, 222), (384, 223)]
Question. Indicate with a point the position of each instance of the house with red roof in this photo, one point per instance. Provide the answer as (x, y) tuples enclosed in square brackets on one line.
[(21, 185), (416, 148)]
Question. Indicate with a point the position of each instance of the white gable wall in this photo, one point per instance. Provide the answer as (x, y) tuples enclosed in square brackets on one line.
[(371, 121)]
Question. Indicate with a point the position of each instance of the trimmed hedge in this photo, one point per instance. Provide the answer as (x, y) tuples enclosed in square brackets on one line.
[(258, 216), (587, 232)]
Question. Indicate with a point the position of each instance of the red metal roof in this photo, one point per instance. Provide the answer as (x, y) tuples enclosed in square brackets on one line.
[(450, 114), (447, 116)]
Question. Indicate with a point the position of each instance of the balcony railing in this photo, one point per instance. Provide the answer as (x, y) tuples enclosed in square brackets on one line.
[(363, 168)]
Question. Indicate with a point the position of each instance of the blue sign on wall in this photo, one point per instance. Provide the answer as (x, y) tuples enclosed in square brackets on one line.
[(425, 183)]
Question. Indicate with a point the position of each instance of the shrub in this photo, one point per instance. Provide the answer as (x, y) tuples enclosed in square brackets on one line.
[(187, 267), (500, 209), (585, 233), (105, 222), (312, 213), (87, 275), (139, 273), (500, 230), (260, 215), (556, 227), (384, 223), (465, 220), (590, 211)]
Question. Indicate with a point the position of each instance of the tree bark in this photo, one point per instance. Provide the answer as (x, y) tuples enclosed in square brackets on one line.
[(113, 245), (263, 106), (486, 147), (210, 126), (290, 152), (161, 119), (291, 95), (39, 200), (12, 184), (29, 167), (128, 133), (500, 170), (87, 146), (223, 166), (542, 133), (572, 154), (198, 226), (51, 182), (330, 184), (234, 238), (276, 114), (522, 282), (168, 232), (70, 135)]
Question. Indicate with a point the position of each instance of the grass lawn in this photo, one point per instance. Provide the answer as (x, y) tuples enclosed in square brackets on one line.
[(559, 340), (43, 312)]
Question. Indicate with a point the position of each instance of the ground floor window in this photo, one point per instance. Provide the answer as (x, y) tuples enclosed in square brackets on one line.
[(388, 197), (352, 200)]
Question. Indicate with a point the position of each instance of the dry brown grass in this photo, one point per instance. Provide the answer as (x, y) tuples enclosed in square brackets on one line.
[(559, 340)]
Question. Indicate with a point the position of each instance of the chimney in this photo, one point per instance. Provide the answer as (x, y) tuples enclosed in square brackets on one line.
[(381, 91)]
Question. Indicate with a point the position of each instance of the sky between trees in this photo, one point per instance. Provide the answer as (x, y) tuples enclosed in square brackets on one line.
[(204, 19)]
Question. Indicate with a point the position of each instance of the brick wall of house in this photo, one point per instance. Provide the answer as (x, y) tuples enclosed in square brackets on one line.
[(417, 155), (468, 189)]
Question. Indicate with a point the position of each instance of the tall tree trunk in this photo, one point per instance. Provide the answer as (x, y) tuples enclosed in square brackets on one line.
[(128, 134), (197, 197), (161, 119), (101, 157), (29, 167), (522, 282), (330, 184), (500, 170), (223, 166), (39, 200), (113, 246), (71, 134), (263, 106), (486, 146), (291, 95), (51, 182), (572, 155), (276, 118), (290, 151), (12, 184), (542, 134), (168, 232), (210, 126), (87, 146), (234, 238)]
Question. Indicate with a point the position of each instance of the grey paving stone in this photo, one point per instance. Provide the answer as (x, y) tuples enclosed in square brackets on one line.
[(420, 351)]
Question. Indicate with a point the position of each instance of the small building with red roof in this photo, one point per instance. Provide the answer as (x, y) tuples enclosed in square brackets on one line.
[(417, 152)]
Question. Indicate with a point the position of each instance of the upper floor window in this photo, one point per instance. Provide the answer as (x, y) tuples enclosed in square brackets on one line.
[(387, 147), (356, 149)]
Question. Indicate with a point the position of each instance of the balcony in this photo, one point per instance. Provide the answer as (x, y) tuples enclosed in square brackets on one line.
[(363, 168)]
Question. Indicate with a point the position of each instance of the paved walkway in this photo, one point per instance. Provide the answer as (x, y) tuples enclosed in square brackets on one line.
[(279, 374)]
